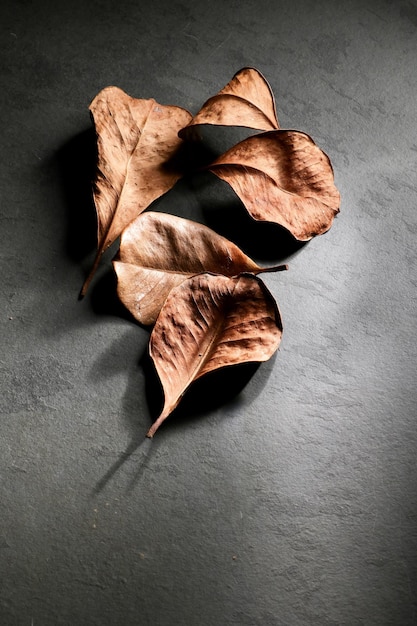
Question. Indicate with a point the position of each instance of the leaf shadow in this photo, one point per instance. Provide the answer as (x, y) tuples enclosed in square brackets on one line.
[(214, 390), (190, 156), (226, 214), (121, 356), (213, 140), (76, 164), (139, 450), (104, 299)]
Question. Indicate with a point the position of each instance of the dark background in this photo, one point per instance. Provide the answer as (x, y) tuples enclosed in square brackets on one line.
[(293, 502)]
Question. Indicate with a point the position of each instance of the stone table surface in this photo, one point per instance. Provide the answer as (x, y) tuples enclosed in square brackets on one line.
[(291, 501)]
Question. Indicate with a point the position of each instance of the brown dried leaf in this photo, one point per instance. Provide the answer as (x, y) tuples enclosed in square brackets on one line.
[(283, 177), (210, 322), (159, 251), (247, 100), (137, 140)]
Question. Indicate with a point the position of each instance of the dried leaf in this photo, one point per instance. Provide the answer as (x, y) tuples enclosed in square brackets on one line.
[(210, 322), (137, 140), (282, 177), (159, 251), (247, 100)]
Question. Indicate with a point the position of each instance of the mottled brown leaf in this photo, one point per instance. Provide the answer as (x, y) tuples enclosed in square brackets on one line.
[(137, 140), (159, 251), (210, 322), (247, 100), (283, 177)]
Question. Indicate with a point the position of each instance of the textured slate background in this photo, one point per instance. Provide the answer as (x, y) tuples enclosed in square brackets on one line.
[(293, 503)]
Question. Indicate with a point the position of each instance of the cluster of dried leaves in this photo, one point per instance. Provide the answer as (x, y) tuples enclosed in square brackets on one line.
[(202, 294)]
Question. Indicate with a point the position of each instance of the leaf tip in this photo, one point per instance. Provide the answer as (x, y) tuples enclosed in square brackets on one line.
[(151, 432), (84, 288)]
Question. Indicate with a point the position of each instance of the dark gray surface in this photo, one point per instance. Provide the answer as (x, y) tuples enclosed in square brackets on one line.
[(294, 503)]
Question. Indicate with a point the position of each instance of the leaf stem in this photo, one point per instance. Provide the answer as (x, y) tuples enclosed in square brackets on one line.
[(156, 425), (90, 275), (274, 268)]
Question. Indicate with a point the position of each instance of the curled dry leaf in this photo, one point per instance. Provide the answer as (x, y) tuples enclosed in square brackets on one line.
[(159, 251), (210, 322), (247, 100), (137, 142), (283, 177)]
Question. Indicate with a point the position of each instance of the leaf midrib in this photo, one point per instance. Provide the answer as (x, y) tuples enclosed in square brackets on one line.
[(204, 358), (104, 243)]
